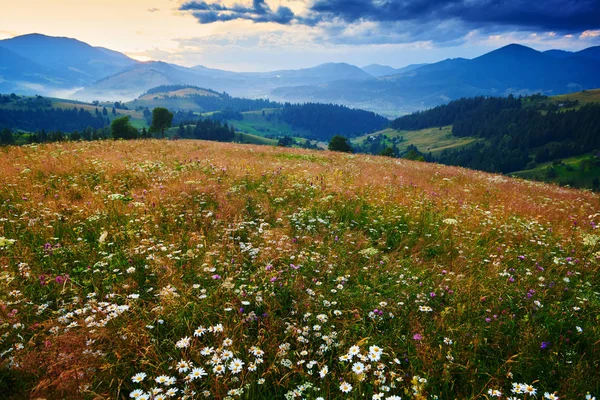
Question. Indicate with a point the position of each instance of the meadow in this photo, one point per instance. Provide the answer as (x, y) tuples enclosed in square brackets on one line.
[(189, 269)]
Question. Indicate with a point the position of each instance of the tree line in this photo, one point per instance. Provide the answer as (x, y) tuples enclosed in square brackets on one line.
[(325, 121), (516, 132), (51, 119)]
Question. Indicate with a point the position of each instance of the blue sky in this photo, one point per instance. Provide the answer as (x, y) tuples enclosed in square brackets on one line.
[(260, 35)]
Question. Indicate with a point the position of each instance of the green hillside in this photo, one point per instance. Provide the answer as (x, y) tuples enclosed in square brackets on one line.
[(583, 97), (266, 123), (581, 171), (430, 140)]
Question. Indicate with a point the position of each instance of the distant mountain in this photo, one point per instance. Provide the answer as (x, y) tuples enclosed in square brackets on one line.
[(379, 70), (559, 53), (590, 52), (39, 64), (74, 61), (133, 81), (17, 71), (321, 73), (512, 69)]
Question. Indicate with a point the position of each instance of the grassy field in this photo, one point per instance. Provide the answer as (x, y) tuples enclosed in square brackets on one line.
[(193, 269), (434, 140), (257, 124), (570, 172), (136, 117), (174, 100), (585, 97), (254, 139)]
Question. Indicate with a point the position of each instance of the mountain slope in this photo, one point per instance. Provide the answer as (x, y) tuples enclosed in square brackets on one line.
[(591, 52), (20, 74), (378, 70), (75, 61)]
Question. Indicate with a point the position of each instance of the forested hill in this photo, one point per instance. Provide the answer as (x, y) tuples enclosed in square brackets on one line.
[(204, 100), (37, 113), (516, 131), (462, 109), (327, 120)]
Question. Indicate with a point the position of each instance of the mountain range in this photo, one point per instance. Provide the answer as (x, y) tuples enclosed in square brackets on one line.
[(46, 65)]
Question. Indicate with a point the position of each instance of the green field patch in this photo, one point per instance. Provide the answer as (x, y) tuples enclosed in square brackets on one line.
[(434, 140)]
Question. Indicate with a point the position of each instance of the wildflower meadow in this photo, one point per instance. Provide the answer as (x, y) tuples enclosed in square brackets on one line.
[(192, 270)]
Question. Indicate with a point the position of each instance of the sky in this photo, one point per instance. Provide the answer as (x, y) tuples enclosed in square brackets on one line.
[(266, 35)]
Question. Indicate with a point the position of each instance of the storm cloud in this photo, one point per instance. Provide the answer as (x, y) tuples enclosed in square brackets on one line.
[(259, 11), (549, 15)]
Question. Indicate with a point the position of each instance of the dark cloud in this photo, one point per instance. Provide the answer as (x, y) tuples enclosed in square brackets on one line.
[(548, 15), (259, 11)]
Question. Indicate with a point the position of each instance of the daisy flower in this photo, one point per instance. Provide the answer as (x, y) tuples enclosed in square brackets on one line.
[(354, 350), (236, 365), (199, 331), (219, 369), (358, 368), (345, 387), (197, 373), (136, 394), (137, 378), (323, 371), (183, 342)]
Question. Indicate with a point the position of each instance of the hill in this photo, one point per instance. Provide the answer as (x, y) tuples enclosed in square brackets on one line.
[(221, 267), (67, 63), (513, 134), (15, 68), (378, 70), (33, 113), (582, 98), (430, 141)]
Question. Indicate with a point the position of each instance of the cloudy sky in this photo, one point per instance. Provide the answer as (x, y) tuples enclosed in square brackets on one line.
[(260, 35)]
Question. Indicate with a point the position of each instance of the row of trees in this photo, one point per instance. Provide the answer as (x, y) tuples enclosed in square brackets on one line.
[(10, 137), (66, 120)]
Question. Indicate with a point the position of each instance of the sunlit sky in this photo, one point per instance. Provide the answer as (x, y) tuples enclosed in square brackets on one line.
[(261, 35)]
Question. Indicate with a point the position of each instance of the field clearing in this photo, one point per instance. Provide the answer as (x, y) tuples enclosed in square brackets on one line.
[(226, 271), (179, 93), (434, 140), (172, 103), (569, 172), (254, 139), (257, 124), (585, 97)]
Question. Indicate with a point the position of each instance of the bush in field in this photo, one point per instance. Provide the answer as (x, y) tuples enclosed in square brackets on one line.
[(120, 128), (340, 143)]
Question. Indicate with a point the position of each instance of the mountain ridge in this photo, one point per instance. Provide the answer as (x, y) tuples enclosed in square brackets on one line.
[(97, 73)]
